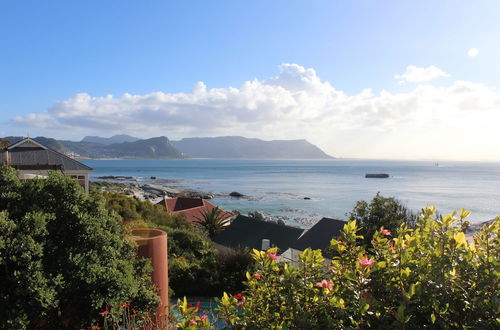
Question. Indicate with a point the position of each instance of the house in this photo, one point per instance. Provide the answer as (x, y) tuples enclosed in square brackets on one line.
[(33, 159), (245, 232), (191, 208), (318, 237)]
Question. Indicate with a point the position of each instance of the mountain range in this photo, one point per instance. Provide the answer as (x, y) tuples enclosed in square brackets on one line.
[(125, 146)]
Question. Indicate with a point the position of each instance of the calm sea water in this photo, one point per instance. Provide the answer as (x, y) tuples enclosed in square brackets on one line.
[(278, 187)]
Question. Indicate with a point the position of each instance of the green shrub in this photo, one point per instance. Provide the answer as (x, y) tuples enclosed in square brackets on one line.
[(63, 257), (381, 211), (426, 277), (132, 209)]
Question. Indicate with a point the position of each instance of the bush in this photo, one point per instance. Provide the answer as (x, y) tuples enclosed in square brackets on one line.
[(132, 209), (426, 277), (63, 257), (382, 211)]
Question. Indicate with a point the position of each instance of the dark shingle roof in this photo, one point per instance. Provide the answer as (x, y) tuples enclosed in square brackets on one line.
[(248, 232), (39, 157), (320, 235)]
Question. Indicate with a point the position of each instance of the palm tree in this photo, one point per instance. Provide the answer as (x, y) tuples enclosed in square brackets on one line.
[(213, 221)]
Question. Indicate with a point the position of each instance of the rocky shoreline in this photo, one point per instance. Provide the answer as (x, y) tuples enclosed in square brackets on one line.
[(154, 192)]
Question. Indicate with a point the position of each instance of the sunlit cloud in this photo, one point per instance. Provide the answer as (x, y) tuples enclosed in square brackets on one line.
[(416, 74), (459, 118)]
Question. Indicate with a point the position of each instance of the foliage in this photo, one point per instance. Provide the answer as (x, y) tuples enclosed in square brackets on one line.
[(63, 257), (132, 209), (190, 318), (193, 259), (382, 211), (213, 221), (426, 277), (4, 143)]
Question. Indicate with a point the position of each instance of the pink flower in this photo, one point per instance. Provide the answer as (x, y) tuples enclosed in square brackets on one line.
[(365, 262), (106, 312), (272, 255), (325, 284), (203, 318), (257, 276), (385, 232), (240, 303), (192, 322), (392, 248)]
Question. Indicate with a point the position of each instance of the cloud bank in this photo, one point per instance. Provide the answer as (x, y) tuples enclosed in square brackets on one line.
[(429, 121)]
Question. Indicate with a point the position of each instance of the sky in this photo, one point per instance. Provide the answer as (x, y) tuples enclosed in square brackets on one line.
[(360, 79)]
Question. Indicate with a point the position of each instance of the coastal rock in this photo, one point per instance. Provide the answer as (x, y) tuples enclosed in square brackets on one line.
[(208, 196), (256, 215), (236, 194)]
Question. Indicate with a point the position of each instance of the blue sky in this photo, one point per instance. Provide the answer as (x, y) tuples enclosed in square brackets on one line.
[(53, 52)]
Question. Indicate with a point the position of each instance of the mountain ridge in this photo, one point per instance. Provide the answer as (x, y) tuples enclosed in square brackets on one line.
[(237, 147)]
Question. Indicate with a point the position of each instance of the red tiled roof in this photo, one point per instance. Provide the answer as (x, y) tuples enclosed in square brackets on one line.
[(192, 208)]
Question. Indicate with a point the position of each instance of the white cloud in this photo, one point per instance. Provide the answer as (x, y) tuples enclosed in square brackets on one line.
[(473, 52), (450, 121), (418, 74)]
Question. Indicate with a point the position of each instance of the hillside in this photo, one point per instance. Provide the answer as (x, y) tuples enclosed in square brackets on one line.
[(111, 140), (158, 147), (240, 147)]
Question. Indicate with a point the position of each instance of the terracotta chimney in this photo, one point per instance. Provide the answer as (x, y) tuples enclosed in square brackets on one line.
[(152, 244)]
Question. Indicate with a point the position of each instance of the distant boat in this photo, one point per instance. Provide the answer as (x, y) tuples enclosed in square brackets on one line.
[(377, 175)]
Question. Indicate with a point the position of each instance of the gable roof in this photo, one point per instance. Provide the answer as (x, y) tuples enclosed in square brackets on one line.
[(28, 154), (191, 208), (319, 235), (249, 232)]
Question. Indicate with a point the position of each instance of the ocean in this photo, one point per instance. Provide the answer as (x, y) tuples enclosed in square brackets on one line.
[(278, 187)]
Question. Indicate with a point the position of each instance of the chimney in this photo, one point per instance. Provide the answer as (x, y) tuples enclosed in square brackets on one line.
[(5, 157), (266, 244)]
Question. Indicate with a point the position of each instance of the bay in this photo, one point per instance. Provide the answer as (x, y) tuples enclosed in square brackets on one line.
[(278, 187)]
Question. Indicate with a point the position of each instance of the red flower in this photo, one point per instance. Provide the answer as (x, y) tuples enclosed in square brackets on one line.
[(385, 232), (192, 322), (365, 262), (325, 284), (272, 255), (203, 318), (366, 294), (257, 276), (239, 296), (392, 248), (198, 305), (106, 312)]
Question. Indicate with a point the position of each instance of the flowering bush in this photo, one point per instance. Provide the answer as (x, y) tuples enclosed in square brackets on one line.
[(429, 276)]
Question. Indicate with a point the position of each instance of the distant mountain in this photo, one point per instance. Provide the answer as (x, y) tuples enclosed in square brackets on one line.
[(240, 147), (159, 147), (107, 141), (162, 147)]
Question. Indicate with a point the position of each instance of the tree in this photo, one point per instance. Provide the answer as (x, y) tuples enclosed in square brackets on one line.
[(63, 257), (4, 143), (382, 211), (213, 221)]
